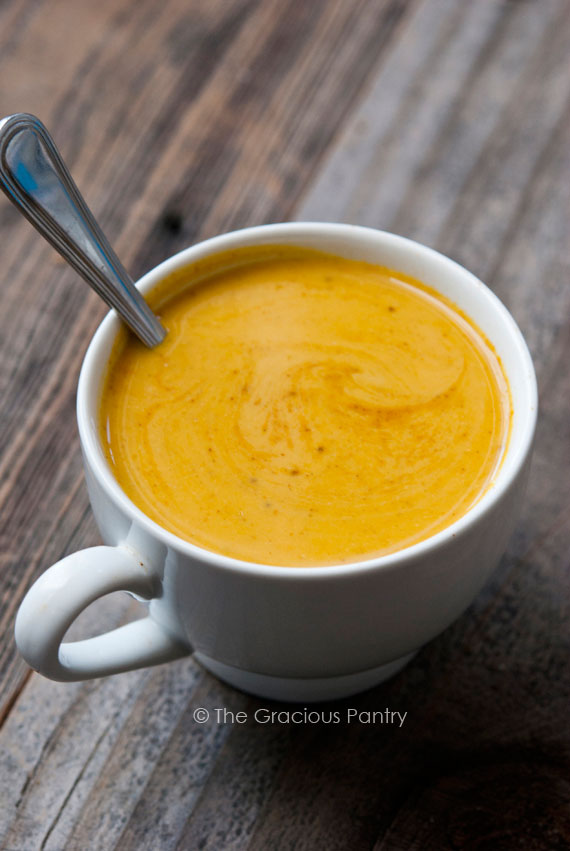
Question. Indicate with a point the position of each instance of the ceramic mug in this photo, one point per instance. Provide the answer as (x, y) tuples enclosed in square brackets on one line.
[(289, 633)]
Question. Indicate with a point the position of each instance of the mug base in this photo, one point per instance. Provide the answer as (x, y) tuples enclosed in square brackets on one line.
[(303, 690)]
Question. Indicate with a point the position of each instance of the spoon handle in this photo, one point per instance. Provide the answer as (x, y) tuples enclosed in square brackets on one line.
[(37, 181)]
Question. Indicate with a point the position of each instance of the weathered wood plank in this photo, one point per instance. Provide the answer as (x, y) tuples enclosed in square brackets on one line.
[(183, 765)]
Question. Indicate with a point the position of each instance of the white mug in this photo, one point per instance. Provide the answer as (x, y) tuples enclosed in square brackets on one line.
[(289, 633)]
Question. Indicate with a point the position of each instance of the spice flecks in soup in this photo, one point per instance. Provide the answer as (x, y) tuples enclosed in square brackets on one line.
[(305, 410)]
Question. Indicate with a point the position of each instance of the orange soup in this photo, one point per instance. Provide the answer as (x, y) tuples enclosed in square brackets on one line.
[(304, 410)]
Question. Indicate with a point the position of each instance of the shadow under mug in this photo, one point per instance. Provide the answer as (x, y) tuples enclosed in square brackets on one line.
[(288, 633)]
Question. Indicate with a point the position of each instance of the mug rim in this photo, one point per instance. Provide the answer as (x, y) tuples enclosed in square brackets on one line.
[(102, 341)]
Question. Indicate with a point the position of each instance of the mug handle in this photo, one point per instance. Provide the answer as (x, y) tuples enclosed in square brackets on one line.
[(69, 586)]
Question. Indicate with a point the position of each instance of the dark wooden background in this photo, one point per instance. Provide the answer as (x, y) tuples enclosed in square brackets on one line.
[(443, 120)]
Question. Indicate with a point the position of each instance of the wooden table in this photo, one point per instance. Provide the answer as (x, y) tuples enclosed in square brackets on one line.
[(442, 120)]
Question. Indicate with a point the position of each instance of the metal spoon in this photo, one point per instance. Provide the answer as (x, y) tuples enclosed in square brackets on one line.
[(35, 178)]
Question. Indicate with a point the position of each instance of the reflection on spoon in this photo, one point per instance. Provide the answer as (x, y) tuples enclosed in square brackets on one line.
[(35, 178)]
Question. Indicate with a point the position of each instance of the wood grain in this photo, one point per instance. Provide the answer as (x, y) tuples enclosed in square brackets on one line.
[(445, 121)]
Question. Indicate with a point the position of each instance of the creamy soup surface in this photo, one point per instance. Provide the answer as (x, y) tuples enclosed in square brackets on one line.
[(304, 410)]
